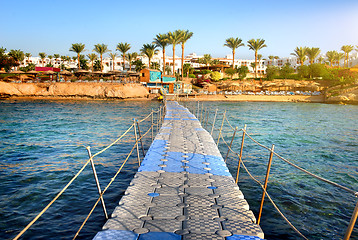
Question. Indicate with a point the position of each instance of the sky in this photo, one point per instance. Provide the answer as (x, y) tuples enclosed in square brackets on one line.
[(52, 26)]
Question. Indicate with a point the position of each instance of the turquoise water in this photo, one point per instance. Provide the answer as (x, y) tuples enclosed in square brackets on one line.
[(43, 145)]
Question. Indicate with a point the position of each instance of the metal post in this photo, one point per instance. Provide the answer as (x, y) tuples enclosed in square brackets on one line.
[(158, 121), (212, 129), (140, 138), (136, 141), (152, 126), (349, 230), (197, 110), (265, 184), (222, 124), (240, 157), (232, 139), (160, 114), (201, 114), (207, 116), (97, 182)]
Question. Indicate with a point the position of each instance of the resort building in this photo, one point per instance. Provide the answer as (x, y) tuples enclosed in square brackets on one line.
[(192, 59)]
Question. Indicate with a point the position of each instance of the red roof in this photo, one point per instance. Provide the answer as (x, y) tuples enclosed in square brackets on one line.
[(44, 69)]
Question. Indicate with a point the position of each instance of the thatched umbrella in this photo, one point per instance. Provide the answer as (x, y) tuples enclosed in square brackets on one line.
[(33, 73), (98, 73), (65, 72), (81, 72)]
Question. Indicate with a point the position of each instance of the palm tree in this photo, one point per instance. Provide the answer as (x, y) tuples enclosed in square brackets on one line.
[(174, 38), (347, 49), (312, 53), (101, 49), (256, 45), (17, 55), (206, 60), (42, 56), (56, 56), (233, 43), (123, 48), (131, 57), (149, 51), (161, 40), (339, 57), (50, 57), (331, 57), (271, 57), (139, 65), (300, 53), (185, 36), (28, 55), (113, 57), (78, 48), (92, 57)]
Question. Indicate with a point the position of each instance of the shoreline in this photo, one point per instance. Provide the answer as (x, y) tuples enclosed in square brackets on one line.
[(211, 98), (258, 98)]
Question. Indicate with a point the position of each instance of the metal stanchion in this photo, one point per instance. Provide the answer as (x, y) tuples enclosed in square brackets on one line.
[(232, 139), (140, 137), (212, 128), (152, 126), (265, 184), (240, 157), (222, 124), (97, 182), (349, 230), (136, 141)]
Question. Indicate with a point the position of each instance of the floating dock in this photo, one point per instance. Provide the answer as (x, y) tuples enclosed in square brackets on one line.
[(182, 190)]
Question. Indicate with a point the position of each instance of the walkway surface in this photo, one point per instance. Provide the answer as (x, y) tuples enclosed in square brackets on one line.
[(182, 190)]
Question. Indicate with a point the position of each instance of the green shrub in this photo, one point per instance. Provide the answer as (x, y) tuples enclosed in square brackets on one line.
[(215, 76), (271, 72), (192, 76)]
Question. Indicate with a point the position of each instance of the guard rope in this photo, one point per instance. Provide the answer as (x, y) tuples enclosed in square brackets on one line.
[(80, 171), (355, 193), (105, 189), (269, 197)]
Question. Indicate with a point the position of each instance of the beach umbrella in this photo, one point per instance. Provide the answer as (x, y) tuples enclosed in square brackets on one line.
[(32, 72), (49, 72), (82, 71), (17, 72), (65, 72)]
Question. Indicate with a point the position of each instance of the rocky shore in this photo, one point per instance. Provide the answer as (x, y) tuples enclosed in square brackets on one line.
[(137, 91), (73, 90)]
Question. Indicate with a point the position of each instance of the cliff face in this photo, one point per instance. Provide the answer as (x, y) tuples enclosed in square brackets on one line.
[(84, 90), (347, 95)]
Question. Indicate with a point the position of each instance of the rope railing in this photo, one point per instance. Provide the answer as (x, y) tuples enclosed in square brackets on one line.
[(90, 160), (272, 152)]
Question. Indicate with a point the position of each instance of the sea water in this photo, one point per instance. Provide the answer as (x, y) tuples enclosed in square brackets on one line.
[(43, 144)]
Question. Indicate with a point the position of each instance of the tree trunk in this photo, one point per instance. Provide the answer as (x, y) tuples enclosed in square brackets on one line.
[(101, 63), (149, 63), (164, 60), (233, 58), (78, 59), (255, 64), (182, 60), (174, 59), (124, 61)]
